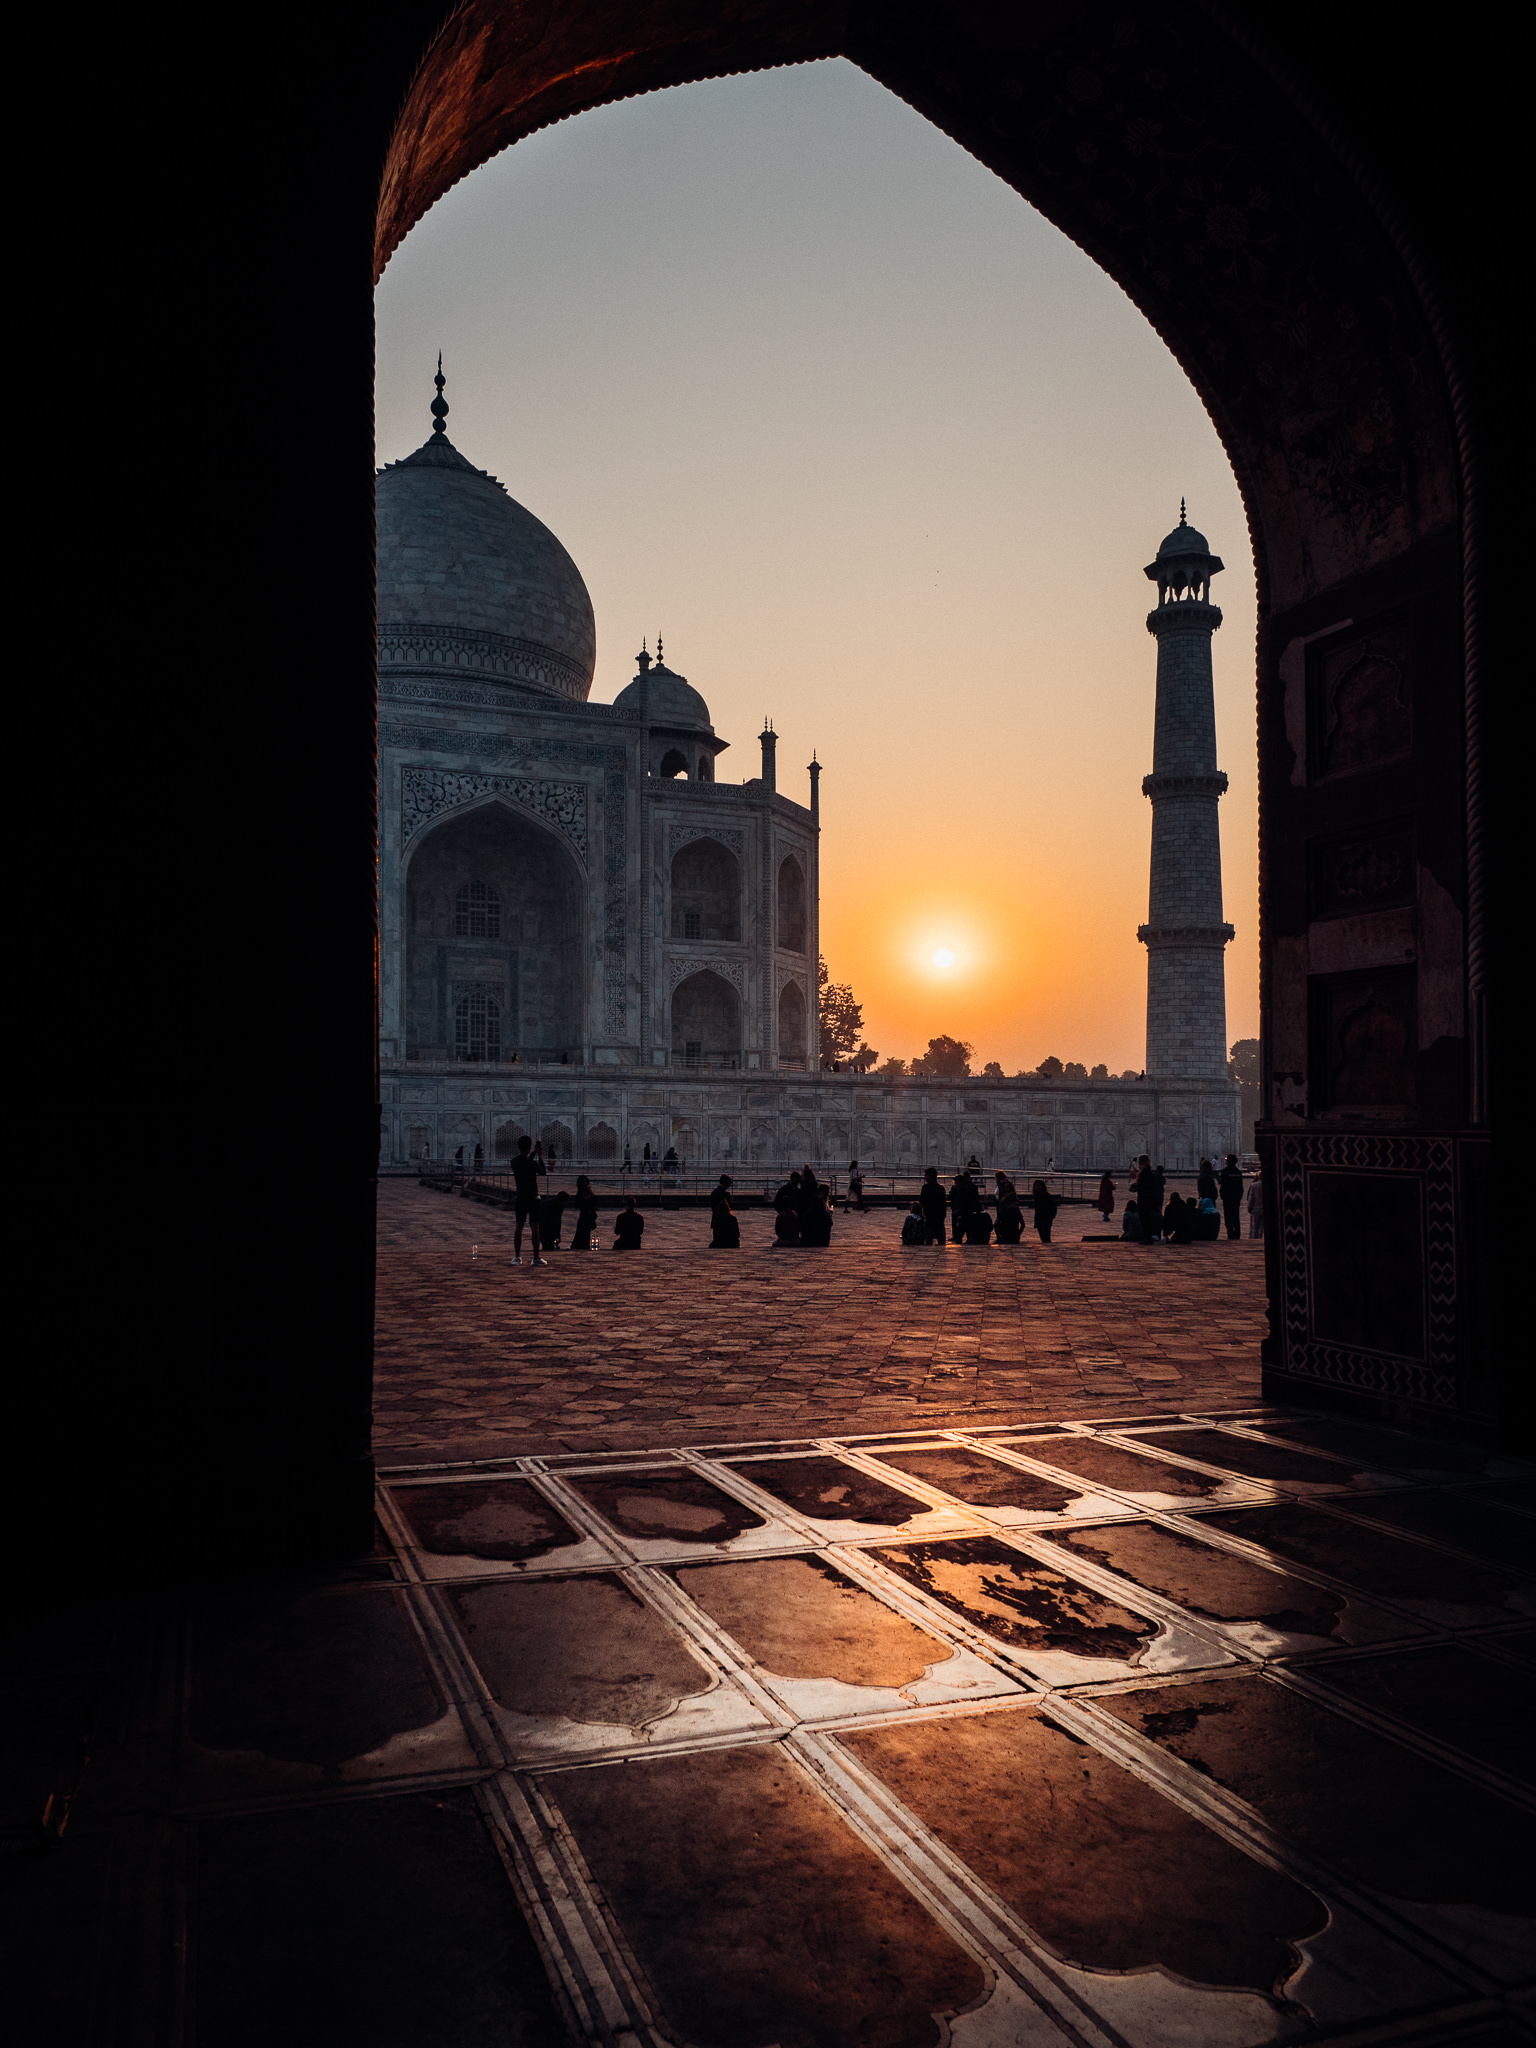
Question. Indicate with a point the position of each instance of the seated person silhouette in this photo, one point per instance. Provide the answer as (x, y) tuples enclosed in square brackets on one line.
[(628, 1228), (816, 1218), (1179, 1220)]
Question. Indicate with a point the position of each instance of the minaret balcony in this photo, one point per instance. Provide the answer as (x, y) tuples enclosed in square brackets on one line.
[(1186, 935), (1213, 783), (1183, 615)]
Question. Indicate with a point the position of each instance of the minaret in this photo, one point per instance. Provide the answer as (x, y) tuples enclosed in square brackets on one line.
[(1184, 934)]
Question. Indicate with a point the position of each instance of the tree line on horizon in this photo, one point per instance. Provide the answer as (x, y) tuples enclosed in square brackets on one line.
[(949, 1059)]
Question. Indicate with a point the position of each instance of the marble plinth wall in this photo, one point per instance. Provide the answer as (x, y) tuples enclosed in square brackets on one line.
[(728, 1122)]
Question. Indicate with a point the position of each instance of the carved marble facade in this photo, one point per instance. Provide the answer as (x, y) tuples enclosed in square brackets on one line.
[(557, 807)]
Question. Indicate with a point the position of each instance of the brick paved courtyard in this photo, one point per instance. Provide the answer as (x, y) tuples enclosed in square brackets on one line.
[(678, 1343), (850, 1649)]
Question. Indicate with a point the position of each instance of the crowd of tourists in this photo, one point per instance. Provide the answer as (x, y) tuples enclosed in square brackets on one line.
[(804, 1209), (1154, 1216)]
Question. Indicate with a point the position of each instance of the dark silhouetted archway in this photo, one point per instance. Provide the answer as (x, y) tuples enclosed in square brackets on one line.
[(1256, 179)]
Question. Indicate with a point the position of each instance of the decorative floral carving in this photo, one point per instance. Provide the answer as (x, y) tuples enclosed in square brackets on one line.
[(732, 971), (431, 647), (426, 793), (728, 835)]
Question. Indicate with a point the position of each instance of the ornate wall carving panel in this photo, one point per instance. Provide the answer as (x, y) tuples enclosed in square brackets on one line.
[(1368, 1242), (733, 971), (728, 835), (427, 793)]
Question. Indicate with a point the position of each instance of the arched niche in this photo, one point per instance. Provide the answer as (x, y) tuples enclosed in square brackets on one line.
[(559, 1140), (706, 1020), (706, 892), (791, 905), (792, 1024), (672, 764), (493, 913)]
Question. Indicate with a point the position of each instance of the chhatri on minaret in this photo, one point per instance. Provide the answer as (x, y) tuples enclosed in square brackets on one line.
[(1185, 934)]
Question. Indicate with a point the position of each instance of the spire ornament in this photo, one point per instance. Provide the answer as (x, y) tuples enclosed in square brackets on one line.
[(439, 404)]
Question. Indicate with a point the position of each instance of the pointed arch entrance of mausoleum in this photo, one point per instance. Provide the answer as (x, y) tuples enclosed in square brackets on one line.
[(493, 913)]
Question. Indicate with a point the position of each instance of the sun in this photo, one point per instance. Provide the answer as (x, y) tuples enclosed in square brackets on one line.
[(944, 957)]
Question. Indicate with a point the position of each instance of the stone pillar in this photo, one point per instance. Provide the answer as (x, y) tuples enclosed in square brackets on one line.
[(769, 741), (1185, 935)]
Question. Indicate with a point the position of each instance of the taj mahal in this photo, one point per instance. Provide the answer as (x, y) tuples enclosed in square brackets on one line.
[(588, 936)]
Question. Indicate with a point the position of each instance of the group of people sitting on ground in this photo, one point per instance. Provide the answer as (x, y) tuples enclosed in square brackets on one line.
[(967, 1209), (802, 1211), (1189, 1219)]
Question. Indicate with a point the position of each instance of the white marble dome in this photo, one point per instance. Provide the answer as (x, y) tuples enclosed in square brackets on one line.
[(659, 696), (468, 579)]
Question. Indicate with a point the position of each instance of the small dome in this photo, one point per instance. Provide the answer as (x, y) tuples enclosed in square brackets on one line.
[(469, 577), (662, 698), (1185, 540)]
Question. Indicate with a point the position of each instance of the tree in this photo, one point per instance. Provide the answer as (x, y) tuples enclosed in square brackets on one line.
[(841, 1018), (947, 1059), (1243, 1067), (892, 1067), (864, 1059), (1050, 1068), (1100, 1073), (992, 1071), (1074, 1070)]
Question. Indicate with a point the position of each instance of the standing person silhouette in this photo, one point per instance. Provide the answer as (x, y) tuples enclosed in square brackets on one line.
[(1046, 1206), (931, 1196), (586, 1216), (1107, 1196), (963, 1198), (1231, 1184), (1149, 1197), (527, 1165)]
